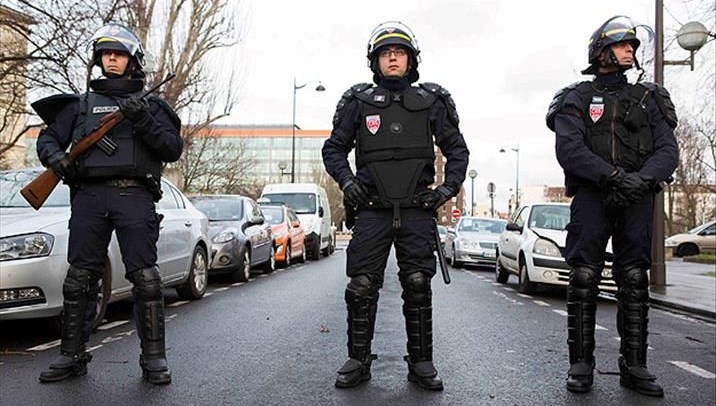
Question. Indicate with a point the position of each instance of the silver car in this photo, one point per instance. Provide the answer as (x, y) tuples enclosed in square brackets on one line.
[(33, 250), (473, 241)]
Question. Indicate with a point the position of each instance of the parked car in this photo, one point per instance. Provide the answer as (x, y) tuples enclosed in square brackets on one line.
[(442, 232), (240, 236), (310, 202), (33, 250), (289, 237), (473, 241), (695, 241), (532, 247)]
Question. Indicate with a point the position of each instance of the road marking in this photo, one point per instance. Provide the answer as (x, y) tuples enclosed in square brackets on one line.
[(221, 289), (564, 313), (509, 299), (507, 288), (237, 283), (598, 327), (263, 275), (479, 276), (524, 296), (496, 284), (207, 294), (90, 349), (46, 346), (108, 340), (541, 303), (181, 302), (648, 347), (694, 369), (113, 324)]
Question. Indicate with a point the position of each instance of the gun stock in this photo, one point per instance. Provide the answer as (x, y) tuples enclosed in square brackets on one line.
[(37, 191)]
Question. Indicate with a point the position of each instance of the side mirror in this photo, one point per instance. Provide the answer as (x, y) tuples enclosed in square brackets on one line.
[(451, 230), (256, 220), (320, 211), (513, 227), (295, 224)]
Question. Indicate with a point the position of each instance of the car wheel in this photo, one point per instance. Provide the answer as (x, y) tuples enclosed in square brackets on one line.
[(196, 282), (329, 248), (526, 286), (287, 262), (243, 270), (501, 274), (687, 250), (455, 263), (270, 265), (105, 291), (302, 258), (316, 249)]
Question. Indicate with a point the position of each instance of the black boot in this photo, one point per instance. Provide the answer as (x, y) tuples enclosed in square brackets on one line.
[(80, 290), (361, 322), (418, 310), (581, 311), (149, 318), (632, 322)]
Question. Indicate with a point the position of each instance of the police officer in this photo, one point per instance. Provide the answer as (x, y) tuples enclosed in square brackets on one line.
[(394, 128), (113, 188), (615, 142)]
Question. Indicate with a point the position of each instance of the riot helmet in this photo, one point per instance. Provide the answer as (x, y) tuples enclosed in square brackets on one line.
[(614, 30), (393, 33), (117, 37)]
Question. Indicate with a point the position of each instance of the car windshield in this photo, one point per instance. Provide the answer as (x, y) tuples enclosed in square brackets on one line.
[(12, 181), (549, 217), (220, 209), (698, 229), (301, 203), (273, 214), (482, 226)]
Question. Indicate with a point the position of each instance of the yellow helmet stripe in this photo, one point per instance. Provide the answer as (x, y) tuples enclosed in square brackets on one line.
[(392, 35), (618, 31)]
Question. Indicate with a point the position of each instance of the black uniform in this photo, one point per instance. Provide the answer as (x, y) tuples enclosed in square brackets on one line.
[(112, 192), (391, 127), (615, 143)]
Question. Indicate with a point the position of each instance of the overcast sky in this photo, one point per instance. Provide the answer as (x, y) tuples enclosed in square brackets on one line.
[(501, 60)]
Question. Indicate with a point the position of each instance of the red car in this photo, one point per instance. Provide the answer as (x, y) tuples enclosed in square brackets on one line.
[(288, 234)]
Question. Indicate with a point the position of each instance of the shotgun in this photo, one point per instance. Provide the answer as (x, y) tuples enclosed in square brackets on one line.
[(37, 191)]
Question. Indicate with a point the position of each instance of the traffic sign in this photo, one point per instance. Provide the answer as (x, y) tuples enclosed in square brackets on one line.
[(455, 213)]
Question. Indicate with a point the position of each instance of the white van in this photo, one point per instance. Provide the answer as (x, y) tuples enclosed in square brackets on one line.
[(310, 202)]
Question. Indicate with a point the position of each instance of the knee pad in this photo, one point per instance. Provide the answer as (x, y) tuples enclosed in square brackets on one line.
[(365, 285), (583, 282), (416, 288), (147, 284), (635, 285), (77, 283)]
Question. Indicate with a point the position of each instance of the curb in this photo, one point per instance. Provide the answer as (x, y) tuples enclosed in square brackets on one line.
[(701, 314)]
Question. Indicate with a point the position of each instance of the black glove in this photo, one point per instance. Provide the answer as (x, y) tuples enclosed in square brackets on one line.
[(434, 198), (354, 193), (634, 187), (136, 109), (63, 167)]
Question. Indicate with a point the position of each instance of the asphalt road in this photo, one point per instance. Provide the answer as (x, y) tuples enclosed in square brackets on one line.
[(278, 340)]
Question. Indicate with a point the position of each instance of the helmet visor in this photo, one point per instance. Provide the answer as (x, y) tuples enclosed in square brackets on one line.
[(118, 37), (621, 28)]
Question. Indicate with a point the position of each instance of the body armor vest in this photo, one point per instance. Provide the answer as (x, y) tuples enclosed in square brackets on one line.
[(395, 140), (131, 158)]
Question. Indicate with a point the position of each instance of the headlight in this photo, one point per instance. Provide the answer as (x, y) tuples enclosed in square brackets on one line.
[(467, 244), (670, 243), (223, 237), (26, 246), (547, 248)]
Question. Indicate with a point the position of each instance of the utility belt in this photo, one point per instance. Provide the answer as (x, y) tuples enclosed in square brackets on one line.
[(375, 202), (148, 183)]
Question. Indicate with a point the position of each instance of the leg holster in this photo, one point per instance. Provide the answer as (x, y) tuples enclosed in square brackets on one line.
[(149, 317)]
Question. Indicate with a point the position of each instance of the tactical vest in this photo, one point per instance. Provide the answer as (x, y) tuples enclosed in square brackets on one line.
[(394, 140), (131, 158)]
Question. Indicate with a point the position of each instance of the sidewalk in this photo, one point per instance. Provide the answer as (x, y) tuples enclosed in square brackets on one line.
[(687, 289)]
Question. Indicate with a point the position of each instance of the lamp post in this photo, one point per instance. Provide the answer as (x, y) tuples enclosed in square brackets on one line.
[(472, 174), (319, 88), (282, 165), (491, 191), (517, 174), (691, 37)]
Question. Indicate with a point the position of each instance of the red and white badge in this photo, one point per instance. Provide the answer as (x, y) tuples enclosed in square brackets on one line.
[(373, 123), (596, 111)]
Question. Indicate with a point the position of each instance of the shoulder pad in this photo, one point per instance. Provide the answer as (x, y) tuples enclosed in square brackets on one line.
[(417, 98), (663, 100), (173, 117), (49, 107), (558, 102), (443, 95), (347, 96)]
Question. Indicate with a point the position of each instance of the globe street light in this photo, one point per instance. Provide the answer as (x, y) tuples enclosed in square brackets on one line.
[(517, 174), (282, 165), (319, 88), (472, 174)]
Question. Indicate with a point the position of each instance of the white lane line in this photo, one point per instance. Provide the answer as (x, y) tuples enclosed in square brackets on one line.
[(479, 276), (237, 283), (108, 340), (509, 299), (541, 303), (560, 312), (112, 324), (496, 284), (524, 296), (508, 288), (90, 349), (648, 347), (181, 302), (46, 346), (171, 316), (694, 369), (221, 289), (487, 280), (263, 275), (207, 294), (598, 327)]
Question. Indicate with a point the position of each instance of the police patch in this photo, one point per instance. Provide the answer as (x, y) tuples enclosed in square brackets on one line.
[(104, 109), (379, 98), (373, 123), (596, 111)]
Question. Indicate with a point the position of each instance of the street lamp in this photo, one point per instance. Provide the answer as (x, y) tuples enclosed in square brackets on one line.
[(691, 37), (282, 165), (517, 174), (472, 174), (319, 88)]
